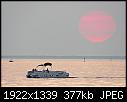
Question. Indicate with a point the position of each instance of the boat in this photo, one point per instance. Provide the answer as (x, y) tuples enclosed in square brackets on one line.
[(11, 61), (46, 73)]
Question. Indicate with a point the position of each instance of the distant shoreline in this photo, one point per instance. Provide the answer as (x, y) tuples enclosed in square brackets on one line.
[(63, 57)]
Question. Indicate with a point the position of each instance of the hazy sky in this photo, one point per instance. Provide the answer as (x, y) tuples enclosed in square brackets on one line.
[(52, 28)]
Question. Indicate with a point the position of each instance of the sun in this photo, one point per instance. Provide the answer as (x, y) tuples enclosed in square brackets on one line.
[(97, 26)]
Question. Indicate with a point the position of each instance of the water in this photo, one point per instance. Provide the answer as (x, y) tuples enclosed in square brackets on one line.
[(97, 72)]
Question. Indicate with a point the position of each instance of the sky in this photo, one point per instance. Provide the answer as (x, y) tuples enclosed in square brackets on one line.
[(52, 29)]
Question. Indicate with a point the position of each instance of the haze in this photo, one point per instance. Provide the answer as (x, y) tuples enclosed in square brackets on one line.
[(51, 28)]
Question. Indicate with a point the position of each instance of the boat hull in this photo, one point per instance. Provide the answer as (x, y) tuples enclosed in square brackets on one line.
[(47, 74)]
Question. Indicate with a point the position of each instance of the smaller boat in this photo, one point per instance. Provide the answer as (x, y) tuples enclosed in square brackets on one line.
[(11, 61), (46, 73)]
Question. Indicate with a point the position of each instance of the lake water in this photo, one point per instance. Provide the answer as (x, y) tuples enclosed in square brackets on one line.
[(92, 73)]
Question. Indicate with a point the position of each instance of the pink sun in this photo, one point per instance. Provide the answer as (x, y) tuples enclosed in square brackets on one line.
[(97, 26)]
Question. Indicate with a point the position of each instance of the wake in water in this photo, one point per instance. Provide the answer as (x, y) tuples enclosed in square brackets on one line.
[(92, 77)]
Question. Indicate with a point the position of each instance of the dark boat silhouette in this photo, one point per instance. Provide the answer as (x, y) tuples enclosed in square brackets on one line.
[(11, 61), (46, 73)]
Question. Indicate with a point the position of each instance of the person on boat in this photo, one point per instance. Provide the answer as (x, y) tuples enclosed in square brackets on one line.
[(34, 69), (47, 70)]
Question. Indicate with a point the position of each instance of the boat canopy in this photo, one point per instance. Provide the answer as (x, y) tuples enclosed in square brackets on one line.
[(45, 64)]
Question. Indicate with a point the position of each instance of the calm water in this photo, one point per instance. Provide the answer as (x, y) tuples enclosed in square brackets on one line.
[(91, 73)]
